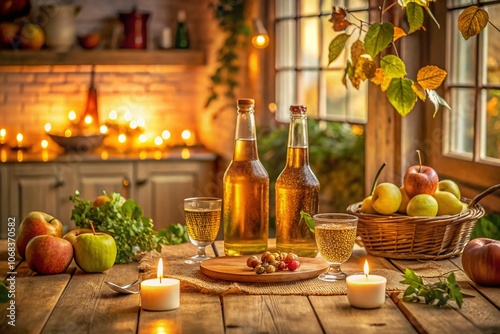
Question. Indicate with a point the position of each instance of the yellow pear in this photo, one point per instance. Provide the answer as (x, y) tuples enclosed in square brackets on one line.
[(404, 200), (448, 204), (366, 206), (422, 205), (386, 198)]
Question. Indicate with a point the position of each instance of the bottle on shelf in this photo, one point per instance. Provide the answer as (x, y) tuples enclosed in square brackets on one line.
[(297, 189), (245, 190), (181, 34)]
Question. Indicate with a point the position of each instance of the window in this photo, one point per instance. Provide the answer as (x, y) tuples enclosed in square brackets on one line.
[(472, 130), (303, 76)]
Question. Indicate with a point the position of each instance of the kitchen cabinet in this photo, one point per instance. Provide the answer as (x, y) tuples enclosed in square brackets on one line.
[(159, 187)]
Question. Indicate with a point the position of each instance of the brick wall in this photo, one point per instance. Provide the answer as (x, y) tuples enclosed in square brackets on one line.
[(167, 97)]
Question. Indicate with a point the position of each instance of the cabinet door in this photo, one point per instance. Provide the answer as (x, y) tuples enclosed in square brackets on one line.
[(41, 187), (94, 178), (162, 187)]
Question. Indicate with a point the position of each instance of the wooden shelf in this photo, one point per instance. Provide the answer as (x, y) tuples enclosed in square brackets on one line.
[(103, 57)]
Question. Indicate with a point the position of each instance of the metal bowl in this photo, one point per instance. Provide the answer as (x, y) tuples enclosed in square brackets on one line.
[(79, 143)]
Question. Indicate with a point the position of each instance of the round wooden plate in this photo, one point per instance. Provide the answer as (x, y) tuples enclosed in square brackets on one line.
[(234, 268)]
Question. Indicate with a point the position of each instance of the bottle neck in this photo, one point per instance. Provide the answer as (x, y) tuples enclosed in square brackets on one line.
[(298, 142), (245, 139)]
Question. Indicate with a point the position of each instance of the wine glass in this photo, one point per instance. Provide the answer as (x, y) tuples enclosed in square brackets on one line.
[(202, 222), (335, 236)]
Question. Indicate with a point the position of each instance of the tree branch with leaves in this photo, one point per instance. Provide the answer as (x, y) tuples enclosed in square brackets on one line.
[(368, 61)]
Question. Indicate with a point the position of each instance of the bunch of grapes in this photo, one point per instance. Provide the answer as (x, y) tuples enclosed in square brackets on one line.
[(271, 262)]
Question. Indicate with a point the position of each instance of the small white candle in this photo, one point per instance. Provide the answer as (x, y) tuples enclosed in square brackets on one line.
[(366, 291), (166, 38), (160, 294)]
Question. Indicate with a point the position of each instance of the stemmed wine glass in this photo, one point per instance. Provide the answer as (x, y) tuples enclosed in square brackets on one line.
[(335, 236), (202, 222)]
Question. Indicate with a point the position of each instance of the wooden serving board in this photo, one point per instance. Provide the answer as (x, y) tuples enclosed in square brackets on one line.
[(234, 268)]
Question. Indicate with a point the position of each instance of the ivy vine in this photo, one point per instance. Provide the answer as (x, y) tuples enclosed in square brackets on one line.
[(230, 16)]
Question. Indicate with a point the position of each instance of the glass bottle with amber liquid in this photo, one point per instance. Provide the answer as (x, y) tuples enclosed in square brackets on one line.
[(297, 189), (245, 190)]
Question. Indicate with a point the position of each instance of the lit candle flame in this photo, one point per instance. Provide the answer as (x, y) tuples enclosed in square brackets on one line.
[(44, 144), (48, 127), (366, 269), (103, 129), (159, 272), (19, 139), (3, 132), (113, 115), (122, 138), (88, 119), (72, 115), (186, 134)]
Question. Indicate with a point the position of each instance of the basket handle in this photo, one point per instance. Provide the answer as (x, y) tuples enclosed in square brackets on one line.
[(485, 193)]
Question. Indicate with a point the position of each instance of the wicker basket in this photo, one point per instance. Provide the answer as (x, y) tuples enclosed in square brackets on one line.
[(418, 238)]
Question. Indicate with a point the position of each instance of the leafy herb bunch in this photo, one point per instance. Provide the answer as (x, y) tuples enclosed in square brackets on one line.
[(389, 73), (122, 218)]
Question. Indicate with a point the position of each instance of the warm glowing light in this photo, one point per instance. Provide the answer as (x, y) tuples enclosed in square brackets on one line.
[(159, 272), (3, 155), (357, 130), (104, 155), (186, 134), (185, 154), (122, 138), (158, 155), (272, 107), (88, 119), (165, 134), (103, 129), (67, 133), (366, 269), (143, 155), (20, 155), (45, 156), (133, 124), (260, 41), (19, 139), (158, 140), (128, 116), (143, 138), (44, 143), (141, 121), (72, 115), (47, 127), (113, 115), (3, 132)]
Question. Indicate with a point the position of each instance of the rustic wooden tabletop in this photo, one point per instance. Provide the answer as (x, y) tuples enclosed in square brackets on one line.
[(76, 302)]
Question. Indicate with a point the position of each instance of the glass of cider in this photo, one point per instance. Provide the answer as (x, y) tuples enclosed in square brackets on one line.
[(335, 236), (202, 221)]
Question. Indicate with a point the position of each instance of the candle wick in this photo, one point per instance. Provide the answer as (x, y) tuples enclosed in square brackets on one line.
[(366, 276), (160, 279)]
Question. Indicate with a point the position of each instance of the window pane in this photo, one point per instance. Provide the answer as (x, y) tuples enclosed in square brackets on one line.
[(327, 5), (309, 7), (456, 3), (493, 43), (463, 63), (336, 104), (285, 8), (308, 91), (491, 126), (357, 103), (286, 44), (309, 42), (461, 134), (285, 94)]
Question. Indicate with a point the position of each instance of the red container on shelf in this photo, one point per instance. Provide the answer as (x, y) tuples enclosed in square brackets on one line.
[(135, 29)]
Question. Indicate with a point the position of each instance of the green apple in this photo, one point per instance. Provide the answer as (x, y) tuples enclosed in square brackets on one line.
[(94, 252), (386, 198), (449, 186), (422, 205), (366, 205), (448, 204), (404, 200)]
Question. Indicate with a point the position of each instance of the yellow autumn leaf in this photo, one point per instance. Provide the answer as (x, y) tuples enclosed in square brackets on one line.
[(385, 84), (357, 49), (418, 90), (378, 78), (431, 77), (472, 21), (398, 33)]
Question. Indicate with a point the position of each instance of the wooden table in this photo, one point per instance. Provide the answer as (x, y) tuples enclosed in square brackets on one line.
[(75, 302)]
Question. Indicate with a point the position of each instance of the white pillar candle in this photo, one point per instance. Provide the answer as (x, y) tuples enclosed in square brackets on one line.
[(366, 291), (160, 294)]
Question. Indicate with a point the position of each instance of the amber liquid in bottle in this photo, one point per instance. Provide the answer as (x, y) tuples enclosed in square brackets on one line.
[(297, 189), (246, 194)]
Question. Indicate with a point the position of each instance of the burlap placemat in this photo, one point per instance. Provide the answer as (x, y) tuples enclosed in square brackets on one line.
[(193, 280)]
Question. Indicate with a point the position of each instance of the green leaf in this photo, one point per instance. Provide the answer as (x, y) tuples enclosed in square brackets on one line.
[(378, 38), (393, 66), (415, 16), (487, 227), (304, 216), (401, 95), (437, 101), (336, 47)]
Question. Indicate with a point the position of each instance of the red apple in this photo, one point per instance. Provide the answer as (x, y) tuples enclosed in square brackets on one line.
[(481, 261), (71, 235), (48, 255), (420, 179), (36, 223)]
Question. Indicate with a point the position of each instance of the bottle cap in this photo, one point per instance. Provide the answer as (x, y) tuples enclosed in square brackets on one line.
[(298, 109), (246, 102), (181, 16)]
